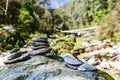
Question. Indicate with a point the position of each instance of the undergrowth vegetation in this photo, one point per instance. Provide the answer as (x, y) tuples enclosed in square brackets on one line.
[(21, 17), (30, 19), (63, 46), (84, 13), (110, 25)]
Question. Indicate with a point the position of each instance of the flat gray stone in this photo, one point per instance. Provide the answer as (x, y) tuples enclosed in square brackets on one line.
[(14, 55), (87, 67), (36, 44), (39, 38), (19, 59), (75, 67), (39, 51), (72, 60), (14, 50), (38, 47)]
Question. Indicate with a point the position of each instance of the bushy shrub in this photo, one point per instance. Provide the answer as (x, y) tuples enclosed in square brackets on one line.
[(110, 25), (63, 46), (83, 13), (23, 22), (74, 15)]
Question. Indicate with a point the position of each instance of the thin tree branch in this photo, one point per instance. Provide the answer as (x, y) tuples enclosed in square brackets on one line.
[(6, 8), (2, 8), (7, 3)]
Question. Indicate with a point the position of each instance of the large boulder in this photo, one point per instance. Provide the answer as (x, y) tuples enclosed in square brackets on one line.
[(44, 68)]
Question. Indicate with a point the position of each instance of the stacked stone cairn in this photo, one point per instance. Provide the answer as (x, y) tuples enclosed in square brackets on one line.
[(40, 46)]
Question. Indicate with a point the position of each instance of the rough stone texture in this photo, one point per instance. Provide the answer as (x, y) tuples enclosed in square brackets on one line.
[(43, 68)]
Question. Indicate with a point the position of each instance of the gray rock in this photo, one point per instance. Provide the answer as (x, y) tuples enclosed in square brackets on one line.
[(75, 67), (38, 47), (87, 67), (14, 50), (21, 58), (43, 37), (55, 57), (48, 54), (30, 43), (14, 55), (36, 44), (39, 38), (39, 51), (72, 60), (43, 68), (9, 28)]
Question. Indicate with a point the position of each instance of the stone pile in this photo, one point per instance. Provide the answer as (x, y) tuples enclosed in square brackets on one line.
[(77, 64), (38, 46), (44, 68)]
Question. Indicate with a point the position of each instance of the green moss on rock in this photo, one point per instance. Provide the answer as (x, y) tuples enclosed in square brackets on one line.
[(63, 46)]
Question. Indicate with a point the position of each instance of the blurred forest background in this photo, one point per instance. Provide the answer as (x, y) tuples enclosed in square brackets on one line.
[(28, 18)]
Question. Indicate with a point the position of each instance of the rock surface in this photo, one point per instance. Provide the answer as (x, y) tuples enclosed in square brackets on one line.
[(87, 67), (44, 68), (72, 60), (75, 67)]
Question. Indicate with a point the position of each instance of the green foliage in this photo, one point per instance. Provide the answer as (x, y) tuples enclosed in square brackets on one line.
[(83, 13), (11, 12), (105, 75), (99, 14), (63, 46), (77, 14), (110, 25), (28, 19), (78, 41), (24, 24), (24, 21)]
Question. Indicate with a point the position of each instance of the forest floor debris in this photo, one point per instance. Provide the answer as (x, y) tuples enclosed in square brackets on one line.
[(105, 55)]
